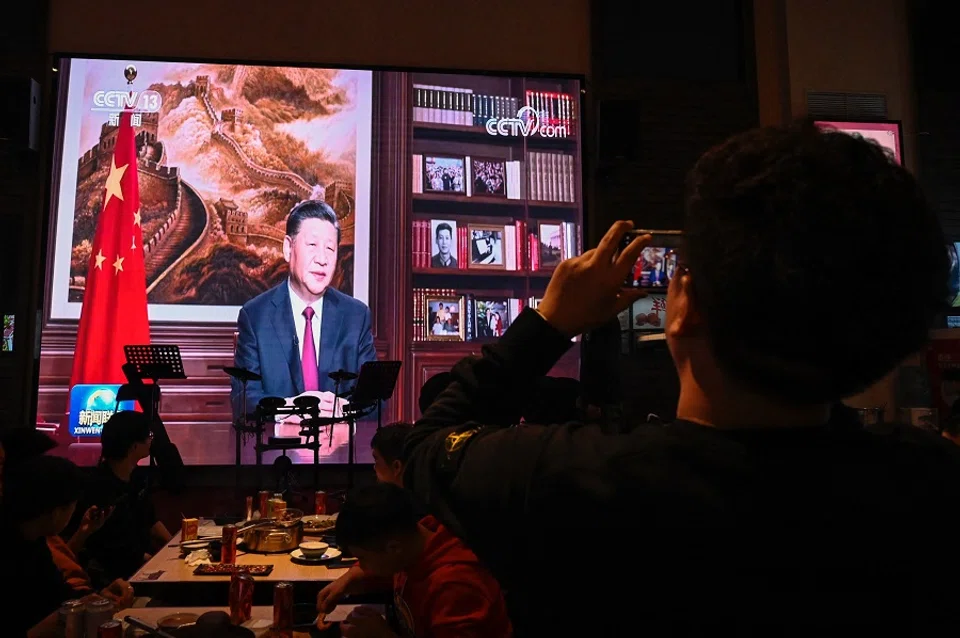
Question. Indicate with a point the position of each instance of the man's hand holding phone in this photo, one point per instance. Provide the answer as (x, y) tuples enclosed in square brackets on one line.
[(588, 290)]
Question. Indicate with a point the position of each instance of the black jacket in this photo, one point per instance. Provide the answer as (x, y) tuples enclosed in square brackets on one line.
[(681, 529)]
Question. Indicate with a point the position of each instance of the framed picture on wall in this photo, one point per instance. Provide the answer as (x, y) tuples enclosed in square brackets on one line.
[(446, 319), (486, 246), (550, 243), (444, 174), (492, 318), (489, 177), (443, 243), (886, 133)]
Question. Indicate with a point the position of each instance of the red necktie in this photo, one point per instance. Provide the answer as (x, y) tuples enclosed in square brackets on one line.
[(308, 361)]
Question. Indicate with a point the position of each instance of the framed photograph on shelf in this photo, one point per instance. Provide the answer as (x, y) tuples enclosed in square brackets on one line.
[(486, 246), (443, 243), (550, 243), (445, 319), (489, 177), (444, 174), (492, 318)]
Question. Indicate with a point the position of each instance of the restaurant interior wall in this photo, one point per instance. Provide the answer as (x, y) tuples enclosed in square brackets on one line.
[(847, 46)]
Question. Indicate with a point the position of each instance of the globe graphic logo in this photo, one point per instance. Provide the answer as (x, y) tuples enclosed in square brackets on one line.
[(102, 399)]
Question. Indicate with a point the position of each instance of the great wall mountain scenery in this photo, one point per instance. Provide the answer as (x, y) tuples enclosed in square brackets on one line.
[(232, 149)]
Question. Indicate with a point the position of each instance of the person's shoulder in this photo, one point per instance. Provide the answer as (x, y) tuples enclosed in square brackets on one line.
[(346, 303), (263, 300), (910, 440)]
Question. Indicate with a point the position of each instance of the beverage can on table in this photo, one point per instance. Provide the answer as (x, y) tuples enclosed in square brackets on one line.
[(110, 629), (249, 510), (275, 506), (264, 496), (228, 549), (241, 597), (99, 611), (283, 609), (320, 502), (72, 614), (189, 528)]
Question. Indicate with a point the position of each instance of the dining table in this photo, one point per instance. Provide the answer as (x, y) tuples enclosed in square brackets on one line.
[(169, 577)]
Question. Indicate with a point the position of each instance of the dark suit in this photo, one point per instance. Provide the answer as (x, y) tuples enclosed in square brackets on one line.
[(437, 262), (269, 346)]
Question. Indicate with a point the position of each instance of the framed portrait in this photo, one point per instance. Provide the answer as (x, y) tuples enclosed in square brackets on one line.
[(550, 243), (492, 317), (489, 177), (445, 319), (444, 174), (443, 244), (486, 246)]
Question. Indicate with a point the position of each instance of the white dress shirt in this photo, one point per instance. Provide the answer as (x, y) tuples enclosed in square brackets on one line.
[(300, 322)]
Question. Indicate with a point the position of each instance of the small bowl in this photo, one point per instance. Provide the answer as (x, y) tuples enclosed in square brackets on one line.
[(313, 549)]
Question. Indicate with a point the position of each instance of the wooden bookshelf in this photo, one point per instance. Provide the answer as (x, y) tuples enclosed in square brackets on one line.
[(465, 138)]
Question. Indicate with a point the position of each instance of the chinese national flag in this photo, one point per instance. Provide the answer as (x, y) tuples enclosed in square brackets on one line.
[(114, 310)]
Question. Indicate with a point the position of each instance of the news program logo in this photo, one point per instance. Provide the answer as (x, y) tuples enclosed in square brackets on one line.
[(91, 404)]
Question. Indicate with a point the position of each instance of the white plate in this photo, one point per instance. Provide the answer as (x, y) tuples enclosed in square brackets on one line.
[(330, 554)]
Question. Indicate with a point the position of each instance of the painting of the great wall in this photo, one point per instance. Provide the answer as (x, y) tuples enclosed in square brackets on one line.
[(232, 149)]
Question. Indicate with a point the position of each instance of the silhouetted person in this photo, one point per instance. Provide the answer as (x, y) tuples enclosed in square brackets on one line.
[(759, 509)]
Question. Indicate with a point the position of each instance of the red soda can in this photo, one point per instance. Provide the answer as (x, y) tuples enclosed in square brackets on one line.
[(241, 597), (264, 497), (228, 549), (283, 610), (110, 629), (320, 502)]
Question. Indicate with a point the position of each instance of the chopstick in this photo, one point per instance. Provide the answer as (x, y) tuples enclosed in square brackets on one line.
[(147, 627)]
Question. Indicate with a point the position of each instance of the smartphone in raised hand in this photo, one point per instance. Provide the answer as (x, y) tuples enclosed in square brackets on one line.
[(657, 263)]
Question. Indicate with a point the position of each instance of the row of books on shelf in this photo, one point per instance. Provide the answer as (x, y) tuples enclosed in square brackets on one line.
[(463, 107), (551, 177), (460, 244), (443, 314)]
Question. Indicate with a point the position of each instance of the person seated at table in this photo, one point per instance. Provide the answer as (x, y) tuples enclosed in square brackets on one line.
[(132, 532), (40, 496), (387, 448), (440, 588), (26, 443)]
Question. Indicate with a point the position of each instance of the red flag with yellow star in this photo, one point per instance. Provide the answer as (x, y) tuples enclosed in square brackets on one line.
[(114, 312)]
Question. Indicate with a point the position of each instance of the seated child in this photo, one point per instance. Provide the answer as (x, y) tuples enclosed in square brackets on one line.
[(387, 445), (440, 588)]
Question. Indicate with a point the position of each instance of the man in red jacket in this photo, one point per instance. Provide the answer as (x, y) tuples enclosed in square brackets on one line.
[(440, 588)]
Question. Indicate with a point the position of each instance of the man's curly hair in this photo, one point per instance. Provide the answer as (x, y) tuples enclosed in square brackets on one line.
[(816, 261)]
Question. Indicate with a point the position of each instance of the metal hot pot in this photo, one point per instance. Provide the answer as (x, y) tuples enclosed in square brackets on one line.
[(275, 535)]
